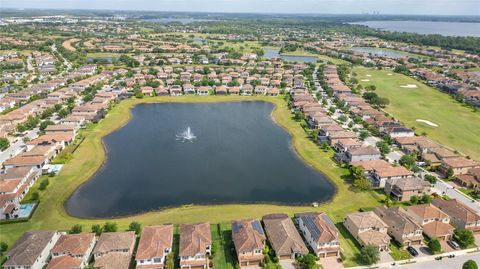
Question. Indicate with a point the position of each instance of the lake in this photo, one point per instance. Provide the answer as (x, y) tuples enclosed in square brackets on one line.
[(427, 27), (274, 53), (180, 20), (381, 52), (240, 156)]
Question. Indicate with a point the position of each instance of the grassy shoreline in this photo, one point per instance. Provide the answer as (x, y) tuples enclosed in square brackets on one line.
[(91, 154)]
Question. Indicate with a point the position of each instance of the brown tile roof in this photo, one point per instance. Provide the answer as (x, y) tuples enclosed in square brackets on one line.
[(427, 211), (112, 241), (437, 228), (367, 150), (283, 235), (393, 171), (194, 238), (457, 209), (248, 235), (398, 217), (154, 241), (64, 262), (27, 249), (364, 220), (114, 260), (372, 165), (460, 162), (74, 244), (373, 237)]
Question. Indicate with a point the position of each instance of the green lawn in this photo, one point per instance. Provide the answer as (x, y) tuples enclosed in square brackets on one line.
[(458, 125), (398, 253), (90, 155)]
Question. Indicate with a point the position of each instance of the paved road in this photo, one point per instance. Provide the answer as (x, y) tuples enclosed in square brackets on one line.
[(443, 187), (445, 263), (16, 146)]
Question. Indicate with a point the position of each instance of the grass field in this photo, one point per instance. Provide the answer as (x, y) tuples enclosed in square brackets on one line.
[(458, 125), (90, 155)]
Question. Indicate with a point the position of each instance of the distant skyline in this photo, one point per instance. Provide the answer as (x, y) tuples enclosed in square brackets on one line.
[(400, 7)]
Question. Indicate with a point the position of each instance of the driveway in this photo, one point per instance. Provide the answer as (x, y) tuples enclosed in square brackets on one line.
[(385, 257), (330, 263), (423, 251), (287, 264), (446, 247), (477, 240), (394, 156)]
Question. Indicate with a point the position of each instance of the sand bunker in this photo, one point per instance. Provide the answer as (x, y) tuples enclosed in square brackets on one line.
[(409, 86), (389, 74), (368, 75), (365, 80), (427, 122)]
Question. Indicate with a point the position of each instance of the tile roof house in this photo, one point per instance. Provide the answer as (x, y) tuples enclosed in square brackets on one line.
[(32, 250), (365, 153), (434, 221), (382, 174), (283, 236), (368, 229), (195, 245), (402, 189), (114, 250), (249, 240), (462, 216), (320, 233), (72, 251), (401, 226), (154, 246), (459, 165)]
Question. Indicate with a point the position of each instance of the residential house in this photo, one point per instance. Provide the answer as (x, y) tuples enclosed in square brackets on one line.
[(435, 222), (402, 189), (368, 229), (284, 237), (382, 174), (32, 250), (249, 240), (114, 250), (364, 153), (461, 216), (459, 165), (154, 246), (195, 245), (320, 233), (72, 251), (401, 226)]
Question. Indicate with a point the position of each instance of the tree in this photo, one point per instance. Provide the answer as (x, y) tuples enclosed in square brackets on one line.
[(308, 261), (470, 264), (76, 229), (408, 161), (110, 227), (44, 124), (435, 246), (426, 199), (43, 184), (135, 226), (369, 255), (464, 238), (431, 179), (96, 229), (4, 144), (449, 173), (364, 134), (383, 147), (170, 262), (414, 200), (3, 247)]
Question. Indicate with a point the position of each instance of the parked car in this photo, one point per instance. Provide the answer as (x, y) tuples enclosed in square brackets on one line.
[(453, 244), (412, 251)]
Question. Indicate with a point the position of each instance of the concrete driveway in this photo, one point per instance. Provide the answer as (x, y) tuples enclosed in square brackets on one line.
[(330, 263), (446, 247), (287, 264), (423, 251), (385, 257)]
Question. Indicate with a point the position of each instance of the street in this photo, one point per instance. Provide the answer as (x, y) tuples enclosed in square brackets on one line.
[(445, 263)]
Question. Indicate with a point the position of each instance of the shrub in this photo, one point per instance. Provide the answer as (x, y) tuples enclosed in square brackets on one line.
[(135, 226), (435, 246), (369, 255), (465, 238), (470, 264), (76, 229), (110, 227), (96, 229), (43, 184)]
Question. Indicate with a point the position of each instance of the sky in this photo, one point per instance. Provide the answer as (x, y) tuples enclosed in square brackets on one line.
[(413, 7)]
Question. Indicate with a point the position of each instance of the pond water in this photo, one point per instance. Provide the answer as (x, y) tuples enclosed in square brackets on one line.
[(381, 52), (274, 53), (239, 156), (427, 27)]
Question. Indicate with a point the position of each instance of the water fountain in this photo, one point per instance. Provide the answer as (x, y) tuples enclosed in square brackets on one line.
[(186, 135)]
